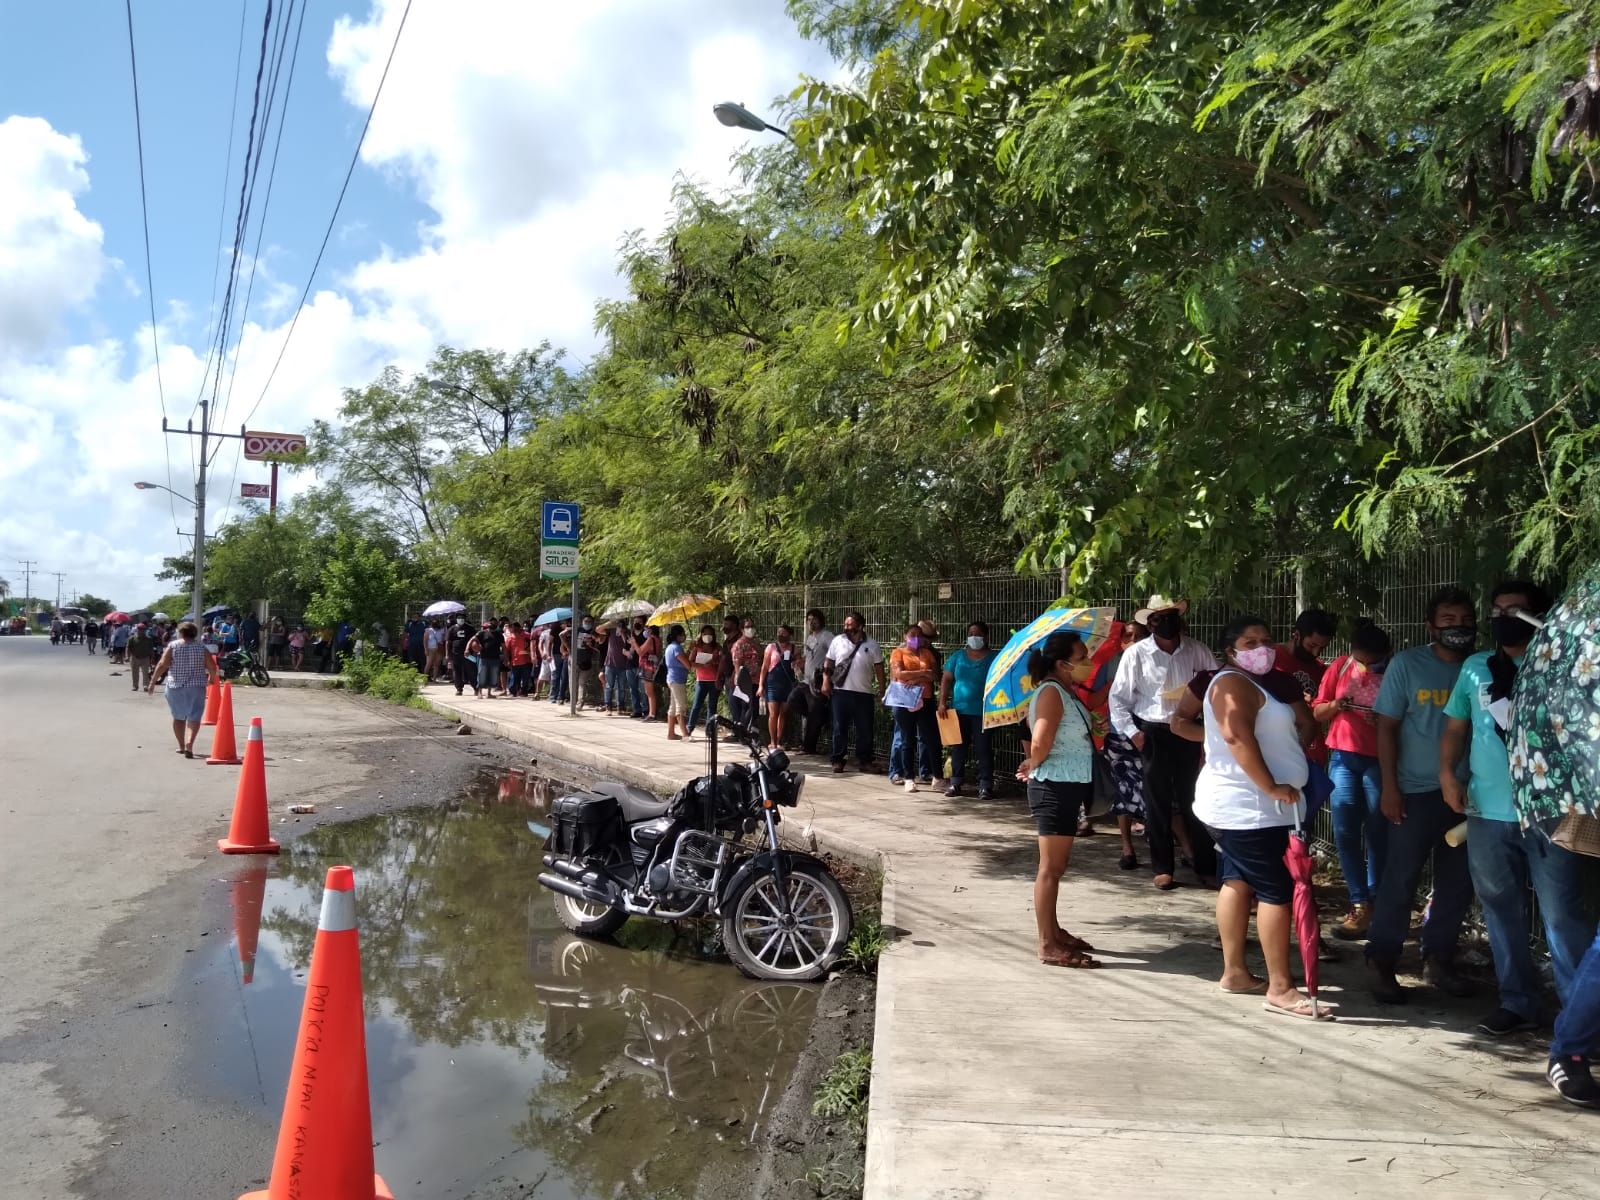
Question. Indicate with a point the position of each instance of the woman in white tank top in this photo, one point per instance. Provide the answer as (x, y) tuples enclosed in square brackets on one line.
[(1247, 794)]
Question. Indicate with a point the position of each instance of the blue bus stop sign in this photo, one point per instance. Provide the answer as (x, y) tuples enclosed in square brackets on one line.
[(560, 522)]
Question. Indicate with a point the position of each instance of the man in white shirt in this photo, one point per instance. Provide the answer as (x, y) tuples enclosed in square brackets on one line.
[(819, 640), (852, 677), (1150, 681)]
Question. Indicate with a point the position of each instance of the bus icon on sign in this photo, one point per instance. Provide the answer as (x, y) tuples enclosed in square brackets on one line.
[(560, 521)]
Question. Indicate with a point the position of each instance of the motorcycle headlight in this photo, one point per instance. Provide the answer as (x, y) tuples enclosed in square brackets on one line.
[(793, 784), (777, 762)]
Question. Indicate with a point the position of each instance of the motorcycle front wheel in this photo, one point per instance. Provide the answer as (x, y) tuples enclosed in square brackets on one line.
[(764, 944), (259, 677), (586, 919)]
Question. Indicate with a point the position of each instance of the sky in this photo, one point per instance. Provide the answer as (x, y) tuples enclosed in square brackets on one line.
[(515, 144)]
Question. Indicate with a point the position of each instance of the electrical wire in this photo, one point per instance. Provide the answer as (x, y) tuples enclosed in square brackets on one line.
[(333, 219), (149, 271)]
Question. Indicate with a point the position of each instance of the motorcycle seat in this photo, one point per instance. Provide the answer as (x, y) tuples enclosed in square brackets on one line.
[(636, 803)]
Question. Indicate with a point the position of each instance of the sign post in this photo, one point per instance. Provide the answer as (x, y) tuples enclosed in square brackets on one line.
[(558, 559), (272, 448)]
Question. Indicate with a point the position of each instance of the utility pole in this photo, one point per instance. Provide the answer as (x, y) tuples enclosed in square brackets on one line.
[(27, 565), (205, 433), (60, 575)]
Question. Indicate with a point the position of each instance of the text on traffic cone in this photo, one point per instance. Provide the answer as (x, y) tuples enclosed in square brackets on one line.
[(213, 699), (247, 893), (222, 748), (325, 1138), (249, 833)]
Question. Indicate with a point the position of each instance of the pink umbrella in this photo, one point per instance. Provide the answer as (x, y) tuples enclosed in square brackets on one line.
[(1307, 926)]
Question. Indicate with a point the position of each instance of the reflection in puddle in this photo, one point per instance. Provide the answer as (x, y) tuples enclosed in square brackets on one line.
[(501, 1048)]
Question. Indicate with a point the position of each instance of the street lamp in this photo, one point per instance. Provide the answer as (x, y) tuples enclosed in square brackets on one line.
[(143, 486), (737, 116)]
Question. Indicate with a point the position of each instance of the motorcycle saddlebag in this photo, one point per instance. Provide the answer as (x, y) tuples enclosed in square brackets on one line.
[(582, 825)]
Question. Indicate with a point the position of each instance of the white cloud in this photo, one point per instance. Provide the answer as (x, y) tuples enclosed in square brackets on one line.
[(538, 135)]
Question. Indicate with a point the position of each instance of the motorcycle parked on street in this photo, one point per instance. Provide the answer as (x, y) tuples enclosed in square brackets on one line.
[(616, 851), (242, 662)]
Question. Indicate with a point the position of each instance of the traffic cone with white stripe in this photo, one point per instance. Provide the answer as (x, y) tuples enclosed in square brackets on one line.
[(248, 894), (213, 699), (223, 751), (249, 832), (325, 1138)]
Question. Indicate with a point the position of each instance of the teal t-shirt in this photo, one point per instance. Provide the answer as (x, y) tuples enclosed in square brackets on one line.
[(967, 680), (1416, 687), (1489, 787)]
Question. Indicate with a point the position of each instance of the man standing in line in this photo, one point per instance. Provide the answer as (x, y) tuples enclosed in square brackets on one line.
[(818, 641), (588, 648), (1151, 680), (622, 657), (416, 649), (746, 652), (433, 641), (1302, 657), (141, 656), (732, 631), (462, 670), (120, 635), (1411, 720), (852, 678), (1502, 856)]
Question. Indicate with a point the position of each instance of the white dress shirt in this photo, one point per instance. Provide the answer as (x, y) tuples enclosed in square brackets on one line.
[(1150, 681)]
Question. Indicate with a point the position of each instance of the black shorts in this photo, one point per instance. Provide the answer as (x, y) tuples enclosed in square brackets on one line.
[(1255, 857), (1056, 806)]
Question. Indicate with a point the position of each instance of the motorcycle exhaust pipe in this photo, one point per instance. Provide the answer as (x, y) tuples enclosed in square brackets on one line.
[(570, 870), (578, 891)]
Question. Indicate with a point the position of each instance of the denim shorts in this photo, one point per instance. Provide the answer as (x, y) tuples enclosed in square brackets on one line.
[(1056, 805), (1255, 857)]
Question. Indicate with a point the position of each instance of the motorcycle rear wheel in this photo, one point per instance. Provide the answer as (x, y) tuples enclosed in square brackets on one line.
[(764, 947), (588, 920), (259, 677)]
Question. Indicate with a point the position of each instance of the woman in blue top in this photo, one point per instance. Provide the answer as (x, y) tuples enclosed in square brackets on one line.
[(677, 686), (961, 688), (1059, 772)]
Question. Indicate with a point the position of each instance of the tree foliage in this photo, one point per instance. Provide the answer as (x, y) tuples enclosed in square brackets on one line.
[(360, 582)]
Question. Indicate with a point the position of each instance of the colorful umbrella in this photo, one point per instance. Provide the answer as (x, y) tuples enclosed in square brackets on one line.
[(1554, 735), (1307, 926), (444, 608), (1006, 691), (684, 608), (118, 618), (628, 608), (551, 616)]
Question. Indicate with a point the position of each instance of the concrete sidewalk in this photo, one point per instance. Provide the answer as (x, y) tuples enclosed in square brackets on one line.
[(996, 1076)]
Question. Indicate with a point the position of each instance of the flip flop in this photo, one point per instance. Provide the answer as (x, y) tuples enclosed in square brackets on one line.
[(1301, 1011), (1258, 988), (1071, 958)]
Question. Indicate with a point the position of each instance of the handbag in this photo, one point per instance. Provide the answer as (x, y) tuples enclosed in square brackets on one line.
[(1579, 833)]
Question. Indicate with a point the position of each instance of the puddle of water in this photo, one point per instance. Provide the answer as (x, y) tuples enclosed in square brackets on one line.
[(500, 1047)]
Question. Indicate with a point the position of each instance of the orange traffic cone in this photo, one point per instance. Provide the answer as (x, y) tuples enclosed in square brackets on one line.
[(325, 1138), (213, 698), (248, 833), (248, 892), (222, 748)]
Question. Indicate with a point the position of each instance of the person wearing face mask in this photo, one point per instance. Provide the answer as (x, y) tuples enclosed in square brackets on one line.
[(705, 658), (744, 662), (1344, 703), (1411, 720), (852, 677), (1503, 857), (588, 655), (675, 660), (961, 688), (1059, 773), (1124, 761), (781, 666), (1247, 795), (1302, 656), (818, 639), (1150, 681), (913, 666), (652, 670)]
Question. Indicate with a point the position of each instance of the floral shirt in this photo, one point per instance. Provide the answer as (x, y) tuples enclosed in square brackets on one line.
[(1555, 714)]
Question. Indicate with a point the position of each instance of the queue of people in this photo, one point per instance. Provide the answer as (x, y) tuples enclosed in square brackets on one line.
[(1413, 748)]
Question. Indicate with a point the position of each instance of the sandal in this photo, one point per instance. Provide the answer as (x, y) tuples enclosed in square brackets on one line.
[(1303, 1011), (1069, 958), (1258, 988)]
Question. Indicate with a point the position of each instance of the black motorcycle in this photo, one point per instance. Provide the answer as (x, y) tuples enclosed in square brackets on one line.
[(241, 662), (617, 851)]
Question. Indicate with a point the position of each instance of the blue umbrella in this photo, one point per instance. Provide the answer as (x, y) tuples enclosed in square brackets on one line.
[(216, 610), (550, 616), (1008, 688)]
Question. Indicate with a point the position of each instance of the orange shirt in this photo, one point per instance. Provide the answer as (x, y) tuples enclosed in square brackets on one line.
[(901, 659)]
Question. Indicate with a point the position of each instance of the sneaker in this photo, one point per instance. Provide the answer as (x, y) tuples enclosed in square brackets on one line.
[(897, 780), (985, 794), (1355, 925), (1571, 1079), (1440, 974), (1502, 1022), (838, 768)]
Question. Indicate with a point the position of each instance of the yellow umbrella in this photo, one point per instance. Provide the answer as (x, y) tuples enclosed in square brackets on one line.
[(684, 608)]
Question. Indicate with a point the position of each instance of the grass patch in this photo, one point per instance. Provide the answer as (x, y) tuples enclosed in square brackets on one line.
[(868, 941), (842, 1094), (383, 676)]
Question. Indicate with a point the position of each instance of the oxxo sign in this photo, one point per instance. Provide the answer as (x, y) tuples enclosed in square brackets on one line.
[(558, 541), (264, 447)]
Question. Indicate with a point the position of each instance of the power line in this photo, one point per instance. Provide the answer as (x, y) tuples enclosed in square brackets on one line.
[(333, 219), (149, 272)]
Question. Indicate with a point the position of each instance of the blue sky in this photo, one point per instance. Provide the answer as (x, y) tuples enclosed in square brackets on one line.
[(516, 142)]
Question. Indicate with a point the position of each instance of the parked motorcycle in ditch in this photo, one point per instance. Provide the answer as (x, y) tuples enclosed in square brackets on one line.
[(616, 851), (242, 662)]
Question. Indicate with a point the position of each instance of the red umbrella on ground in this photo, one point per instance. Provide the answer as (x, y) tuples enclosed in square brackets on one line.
[(1307, 927)]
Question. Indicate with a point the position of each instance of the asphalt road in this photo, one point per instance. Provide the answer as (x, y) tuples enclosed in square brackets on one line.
[(109, 877)]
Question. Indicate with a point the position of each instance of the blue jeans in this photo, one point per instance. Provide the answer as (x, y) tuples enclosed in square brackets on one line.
[(1578, 1026), (1428, 818), (630, 684), (919, 728), (521, 683), (1505, 858), (616, 688), (705, 700), (852, 710), (558, 681), (1357, 786), (973, 735)]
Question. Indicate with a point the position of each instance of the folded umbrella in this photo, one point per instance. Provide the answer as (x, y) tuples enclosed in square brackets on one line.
[(684, 608), (1307, 925), (1008, 687)]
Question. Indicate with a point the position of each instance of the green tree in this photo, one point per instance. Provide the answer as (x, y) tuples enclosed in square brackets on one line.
[(360, 583), (95, 605)]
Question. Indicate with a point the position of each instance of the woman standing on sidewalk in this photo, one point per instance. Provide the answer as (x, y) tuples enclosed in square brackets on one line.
[(187, 667), (914, 668), (1059, 772), (961, 688), (677, 668), (706, 657), (781, 666)]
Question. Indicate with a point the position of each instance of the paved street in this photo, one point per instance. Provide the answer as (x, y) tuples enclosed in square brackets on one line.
[(995, 1076)]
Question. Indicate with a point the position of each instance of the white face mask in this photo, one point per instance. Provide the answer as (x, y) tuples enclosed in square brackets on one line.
[(749, 631), (974, 642), (708, 638)]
